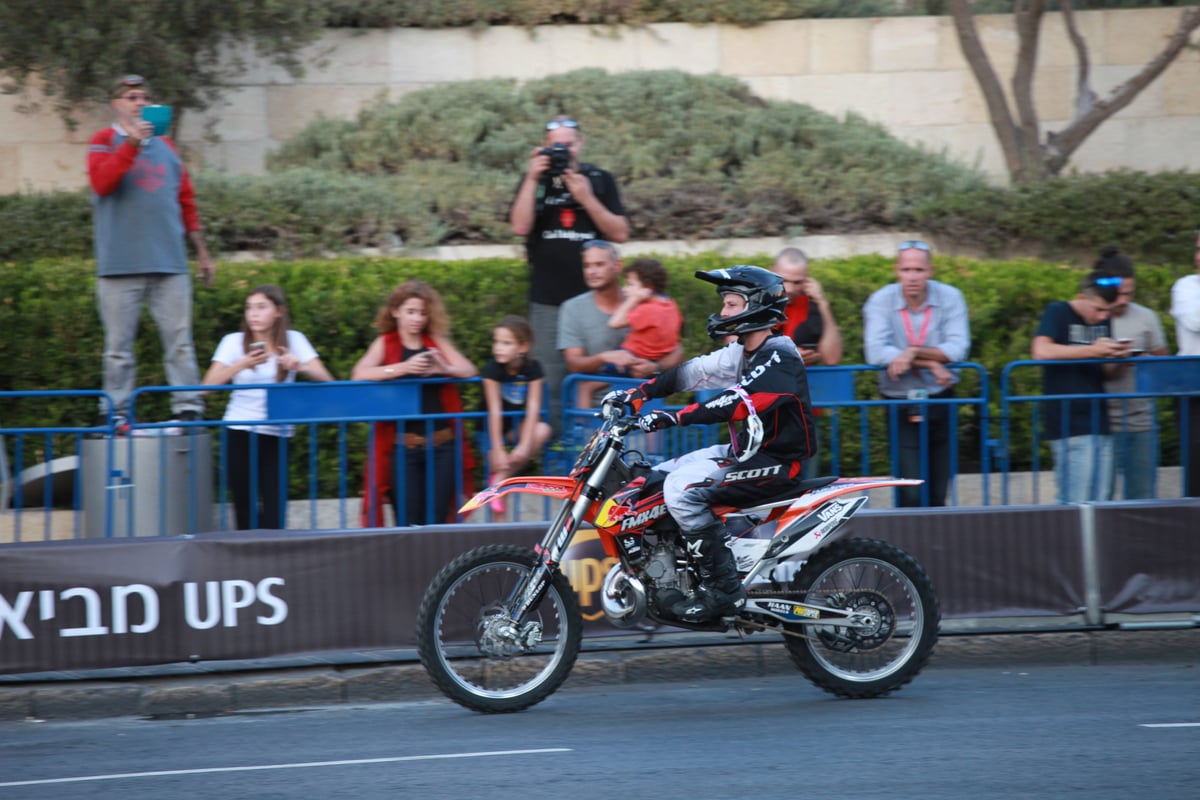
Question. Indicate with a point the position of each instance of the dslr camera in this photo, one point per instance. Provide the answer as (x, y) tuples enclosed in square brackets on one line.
[(560, 158)]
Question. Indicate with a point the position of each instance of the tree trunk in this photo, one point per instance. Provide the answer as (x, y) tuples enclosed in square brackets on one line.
[(1026, 159)]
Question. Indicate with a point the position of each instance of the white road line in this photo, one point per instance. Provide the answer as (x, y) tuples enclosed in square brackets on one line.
[(300, 765), (1170, 725)]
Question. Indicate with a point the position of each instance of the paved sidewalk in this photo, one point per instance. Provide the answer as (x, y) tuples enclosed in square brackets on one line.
[(666, 658)]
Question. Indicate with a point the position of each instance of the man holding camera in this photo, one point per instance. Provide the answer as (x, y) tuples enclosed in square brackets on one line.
[(143, 207), (560, 204)]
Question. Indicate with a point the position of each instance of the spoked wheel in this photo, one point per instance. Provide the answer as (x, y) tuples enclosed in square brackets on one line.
[(895, 613), (475, 653)]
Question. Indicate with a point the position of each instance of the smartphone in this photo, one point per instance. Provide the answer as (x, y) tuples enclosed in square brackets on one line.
[(1125, 341), (257, 347)]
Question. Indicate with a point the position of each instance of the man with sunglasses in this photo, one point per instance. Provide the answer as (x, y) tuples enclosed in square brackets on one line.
[(914, 327), (143, 208), (557, 213), (1078, 430)]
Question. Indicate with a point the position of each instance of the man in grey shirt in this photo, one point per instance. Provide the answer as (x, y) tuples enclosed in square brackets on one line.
[(584, 336), (1131, 419), (914, 327)]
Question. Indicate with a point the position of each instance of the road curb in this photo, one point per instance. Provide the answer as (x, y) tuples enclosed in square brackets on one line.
[(227, 693)]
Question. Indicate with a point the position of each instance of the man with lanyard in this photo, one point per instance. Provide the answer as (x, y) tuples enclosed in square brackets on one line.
[(560, 204), (914, 327)]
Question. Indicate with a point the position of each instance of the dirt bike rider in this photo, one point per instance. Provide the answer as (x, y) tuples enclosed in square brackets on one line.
[(767, 391)]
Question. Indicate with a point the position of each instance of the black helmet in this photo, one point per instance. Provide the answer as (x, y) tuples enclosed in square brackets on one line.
[(765, 299)]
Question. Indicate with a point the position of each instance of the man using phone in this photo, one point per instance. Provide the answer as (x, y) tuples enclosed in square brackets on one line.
[(1133, 423), (143, 209), (1081, 442)]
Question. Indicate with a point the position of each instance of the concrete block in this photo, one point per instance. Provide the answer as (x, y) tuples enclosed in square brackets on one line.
[(1054, 92), (404, 682), (511, 52), (239, 116), (46, 166), (348, 57), (1178, 86), (240, 158), (176, 698), (839, 46), (928, 98), (86, 700), (10, 169), (1054, 45), (16, 703), (1156, 145), (899, 44), (29, 119), (865, 94), (777, 48), (1135, 38), (580, 46), (421, 56), (290, 108), (695, 49), (284, 689), (1148, 103), (971, 144)]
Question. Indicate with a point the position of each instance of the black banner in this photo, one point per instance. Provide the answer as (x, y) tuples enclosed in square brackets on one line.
[(107, 603)]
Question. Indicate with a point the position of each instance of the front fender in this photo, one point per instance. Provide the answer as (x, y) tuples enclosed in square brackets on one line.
[(557, 487)]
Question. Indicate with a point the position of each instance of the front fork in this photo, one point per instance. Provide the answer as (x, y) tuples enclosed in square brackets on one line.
[(528, 593)]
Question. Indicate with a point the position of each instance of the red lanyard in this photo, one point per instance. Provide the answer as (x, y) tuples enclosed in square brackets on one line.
[(924, 326)]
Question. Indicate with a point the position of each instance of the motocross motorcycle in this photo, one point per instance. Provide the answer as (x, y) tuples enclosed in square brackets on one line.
[(499, 627)]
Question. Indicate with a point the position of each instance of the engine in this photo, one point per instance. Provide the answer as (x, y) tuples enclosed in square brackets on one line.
[(626, 598)]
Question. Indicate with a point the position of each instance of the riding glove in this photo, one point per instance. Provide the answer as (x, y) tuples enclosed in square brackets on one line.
[(632, 399), (657, 420)]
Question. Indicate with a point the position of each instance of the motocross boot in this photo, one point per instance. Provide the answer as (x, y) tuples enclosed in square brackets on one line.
[(720, 593)]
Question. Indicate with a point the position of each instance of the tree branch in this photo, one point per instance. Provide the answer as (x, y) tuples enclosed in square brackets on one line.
[(1029, 26), (989, 85), (1085, 98), (1059, 146)]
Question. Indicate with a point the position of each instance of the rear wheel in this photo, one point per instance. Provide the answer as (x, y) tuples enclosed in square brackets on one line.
[(472, 649), (892, 599)]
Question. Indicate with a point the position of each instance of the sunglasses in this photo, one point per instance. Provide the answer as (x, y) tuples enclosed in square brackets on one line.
[(555, 124), (914, 244), (603, 245), (1113, 281), (135, 96)]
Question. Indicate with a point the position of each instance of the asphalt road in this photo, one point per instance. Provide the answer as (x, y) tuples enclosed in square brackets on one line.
[(1105, 731)]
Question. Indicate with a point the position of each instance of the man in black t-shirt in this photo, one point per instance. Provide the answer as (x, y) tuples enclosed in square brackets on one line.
[(557, 211), (1077, 430)]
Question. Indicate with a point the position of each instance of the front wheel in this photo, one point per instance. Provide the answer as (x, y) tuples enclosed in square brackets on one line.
[(895, 610), (475, 653)]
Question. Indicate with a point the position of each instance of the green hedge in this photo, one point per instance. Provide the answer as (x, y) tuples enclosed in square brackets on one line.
[(53, 338)]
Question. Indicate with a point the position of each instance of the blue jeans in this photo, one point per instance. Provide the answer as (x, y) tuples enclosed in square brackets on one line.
[(1136, 458), (1083, 467), (169, 298)]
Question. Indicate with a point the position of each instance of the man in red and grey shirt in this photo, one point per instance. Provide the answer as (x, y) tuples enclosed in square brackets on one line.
[(143, 205)]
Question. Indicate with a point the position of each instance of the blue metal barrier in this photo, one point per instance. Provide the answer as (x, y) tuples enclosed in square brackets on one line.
[(337, 418), (833, 391), (1157, 377)]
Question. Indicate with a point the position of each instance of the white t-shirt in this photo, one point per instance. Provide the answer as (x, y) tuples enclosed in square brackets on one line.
[(251, 404), (1185, 308)]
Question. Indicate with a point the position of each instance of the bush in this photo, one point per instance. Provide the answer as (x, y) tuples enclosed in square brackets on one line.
[(1152, 216), (54, 340)]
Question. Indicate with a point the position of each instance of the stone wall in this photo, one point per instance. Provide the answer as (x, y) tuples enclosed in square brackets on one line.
[(905, 72)]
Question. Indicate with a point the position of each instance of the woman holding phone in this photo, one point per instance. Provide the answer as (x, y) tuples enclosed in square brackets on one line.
[(414, 342), (265, 350)]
